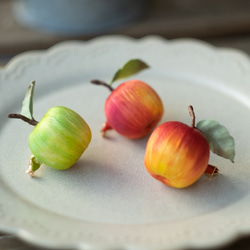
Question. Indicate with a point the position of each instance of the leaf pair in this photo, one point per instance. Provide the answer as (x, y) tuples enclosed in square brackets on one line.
[(218, 137), (130, 68)]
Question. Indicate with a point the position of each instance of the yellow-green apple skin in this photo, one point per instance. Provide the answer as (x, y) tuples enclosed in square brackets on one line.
[(133, 109), (60, 138), (176, 154)]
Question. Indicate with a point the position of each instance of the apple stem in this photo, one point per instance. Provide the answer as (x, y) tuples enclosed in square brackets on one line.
[(34, 164), (192, 115), (99, 82), (211, 170), (105, 127), (24, 118)]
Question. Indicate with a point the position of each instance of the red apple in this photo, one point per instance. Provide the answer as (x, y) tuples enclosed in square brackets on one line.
[(177, 154), (132, 109)]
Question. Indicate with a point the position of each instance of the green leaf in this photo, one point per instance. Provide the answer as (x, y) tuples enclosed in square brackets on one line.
[(27, 107), (218, 137), (130, 68)]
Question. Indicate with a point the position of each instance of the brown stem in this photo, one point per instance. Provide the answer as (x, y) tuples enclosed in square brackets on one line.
[(24, 118), (105, 127), (211, 170), (192, 115), (99, 82)]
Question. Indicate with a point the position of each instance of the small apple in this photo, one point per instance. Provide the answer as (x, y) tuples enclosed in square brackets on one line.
[(58, 140), (177, 154), (134, 108)]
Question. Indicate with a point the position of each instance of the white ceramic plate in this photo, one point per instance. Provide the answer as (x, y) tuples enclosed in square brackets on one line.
[(108, 200)]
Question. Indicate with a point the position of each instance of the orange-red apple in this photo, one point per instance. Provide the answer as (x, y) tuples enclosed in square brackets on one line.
[(177, 154)]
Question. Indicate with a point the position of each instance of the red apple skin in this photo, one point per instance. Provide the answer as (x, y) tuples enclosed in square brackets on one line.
[(176, 154), (133, 109)]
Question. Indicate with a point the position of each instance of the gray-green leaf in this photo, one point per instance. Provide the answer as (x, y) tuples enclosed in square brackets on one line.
[(218, 137), (130, 68), (27, 106)]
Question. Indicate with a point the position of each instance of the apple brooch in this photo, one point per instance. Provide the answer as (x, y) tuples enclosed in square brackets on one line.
[(58, 140), (177, 154), (134, 108)]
